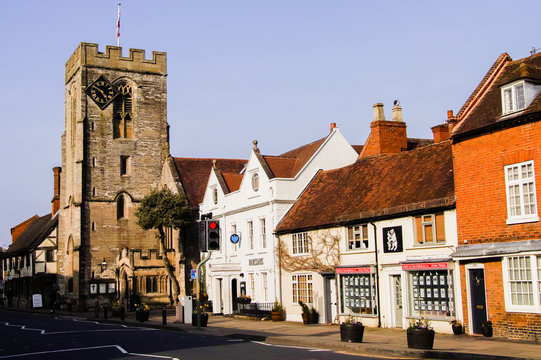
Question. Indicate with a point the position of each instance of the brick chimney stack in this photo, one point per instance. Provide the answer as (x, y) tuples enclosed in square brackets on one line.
[(386, 137), (55, 202), (443, 132)]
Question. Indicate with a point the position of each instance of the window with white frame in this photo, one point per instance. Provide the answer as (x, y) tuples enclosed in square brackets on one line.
[(265, 286), (250, 225), (522, 276), (302, 289), (520, 187), (263, 233), (252, 285), (513, 98), (358, 237), (300, 243), (430, 229)]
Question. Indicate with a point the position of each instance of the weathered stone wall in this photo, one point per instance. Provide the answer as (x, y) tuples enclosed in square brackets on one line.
[(92, 182)]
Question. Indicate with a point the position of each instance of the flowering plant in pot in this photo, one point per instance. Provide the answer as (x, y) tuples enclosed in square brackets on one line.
[(204, 315), (457, 327), (420, 335), (143, 312), (244, 299), (351, 330)]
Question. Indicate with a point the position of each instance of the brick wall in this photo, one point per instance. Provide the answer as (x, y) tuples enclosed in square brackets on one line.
[(482, 212), (480, 183), (511, 325)]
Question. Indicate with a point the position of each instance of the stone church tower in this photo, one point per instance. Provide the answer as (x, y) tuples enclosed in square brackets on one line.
[(113, 149)]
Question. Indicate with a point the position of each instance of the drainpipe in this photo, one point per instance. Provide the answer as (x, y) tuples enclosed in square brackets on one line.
[(377, 272)]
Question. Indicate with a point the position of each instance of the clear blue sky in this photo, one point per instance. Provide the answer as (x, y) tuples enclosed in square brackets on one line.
[(279, 71)]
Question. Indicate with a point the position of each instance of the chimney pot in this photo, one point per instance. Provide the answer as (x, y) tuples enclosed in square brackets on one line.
[(333, 125), (397, 113), (379, 115), (449, 114)]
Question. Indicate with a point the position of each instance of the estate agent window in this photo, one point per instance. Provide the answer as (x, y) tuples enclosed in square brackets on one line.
[(522, 283), (520, 188), (357, 290), (430, 289)]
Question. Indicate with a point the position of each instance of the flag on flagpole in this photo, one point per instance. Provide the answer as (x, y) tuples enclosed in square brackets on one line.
[(118, 27)]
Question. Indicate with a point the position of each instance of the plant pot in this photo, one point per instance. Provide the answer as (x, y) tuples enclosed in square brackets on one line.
[(306, 318), (420, 339), (142, 315), (486, 331), (276, 315), (204, 320), (458, 329), (315, 318), (351, 333)]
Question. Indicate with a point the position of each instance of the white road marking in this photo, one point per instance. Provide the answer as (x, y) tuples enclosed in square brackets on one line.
[(118, 347), (289, 346), (44, 332)]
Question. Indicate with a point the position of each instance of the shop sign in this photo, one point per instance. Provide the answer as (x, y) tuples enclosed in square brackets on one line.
[(354, 270), (392, 239), (255, 262), (425, 266)]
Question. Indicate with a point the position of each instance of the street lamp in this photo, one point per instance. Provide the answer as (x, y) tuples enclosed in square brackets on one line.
[(103, 265)]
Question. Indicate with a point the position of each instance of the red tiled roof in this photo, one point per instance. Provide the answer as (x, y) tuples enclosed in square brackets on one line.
[(32, 236), (194, 173), (376, 187), (484, 106), (232, 181)]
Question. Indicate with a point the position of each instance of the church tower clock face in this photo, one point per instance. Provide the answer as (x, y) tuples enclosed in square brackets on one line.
[(102, 92)]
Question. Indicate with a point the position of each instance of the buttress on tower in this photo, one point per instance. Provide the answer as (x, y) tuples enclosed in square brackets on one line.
[(113, 149)]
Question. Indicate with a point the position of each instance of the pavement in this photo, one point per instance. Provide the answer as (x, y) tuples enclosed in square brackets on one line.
[(376, 341)]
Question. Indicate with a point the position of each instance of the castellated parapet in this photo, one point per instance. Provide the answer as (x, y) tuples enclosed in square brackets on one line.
[(87, 54)]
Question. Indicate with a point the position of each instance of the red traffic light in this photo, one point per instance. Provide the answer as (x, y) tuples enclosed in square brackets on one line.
[(213, 225)]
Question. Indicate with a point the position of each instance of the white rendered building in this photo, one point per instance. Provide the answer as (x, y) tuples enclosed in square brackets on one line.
[(249, 204)]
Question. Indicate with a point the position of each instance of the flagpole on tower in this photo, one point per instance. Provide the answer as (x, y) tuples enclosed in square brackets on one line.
[(118, 27)]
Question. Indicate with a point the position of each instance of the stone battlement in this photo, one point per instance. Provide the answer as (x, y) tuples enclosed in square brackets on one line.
[(87, 54)]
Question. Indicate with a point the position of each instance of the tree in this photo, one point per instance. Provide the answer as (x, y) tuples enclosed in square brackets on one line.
[(159, 210)]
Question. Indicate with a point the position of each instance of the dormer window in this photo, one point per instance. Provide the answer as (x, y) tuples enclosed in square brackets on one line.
[(513, 98)]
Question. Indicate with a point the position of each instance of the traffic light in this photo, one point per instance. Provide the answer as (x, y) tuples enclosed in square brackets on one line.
[(213, 235)]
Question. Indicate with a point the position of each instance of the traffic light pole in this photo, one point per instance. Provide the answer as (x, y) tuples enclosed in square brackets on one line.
[(199, 289)]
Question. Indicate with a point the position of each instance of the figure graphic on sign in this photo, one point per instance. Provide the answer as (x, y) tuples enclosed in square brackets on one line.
[(392, 241)]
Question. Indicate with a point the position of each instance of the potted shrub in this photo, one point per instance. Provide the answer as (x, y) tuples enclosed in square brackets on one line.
[(457, 327), (351, 330), (486, 328), (277, 312), (306, 313), (420, 335), (315, 315), (142, 313)]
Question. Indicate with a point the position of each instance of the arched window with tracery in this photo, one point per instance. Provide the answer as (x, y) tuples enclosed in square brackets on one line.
[(122, 112)]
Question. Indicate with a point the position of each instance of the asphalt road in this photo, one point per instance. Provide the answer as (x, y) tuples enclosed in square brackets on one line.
[(38, 336)]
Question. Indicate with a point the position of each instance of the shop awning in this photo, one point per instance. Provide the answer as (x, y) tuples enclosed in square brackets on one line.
[(495, 249)]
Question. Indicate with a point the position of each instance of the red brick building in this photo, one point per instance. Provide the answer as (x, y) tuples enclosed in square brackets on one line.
[(497, 167)]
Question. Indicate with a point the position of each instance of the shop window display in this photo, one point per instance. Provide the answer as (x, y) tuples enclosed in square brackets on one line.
[(431, 293), (358, 294)]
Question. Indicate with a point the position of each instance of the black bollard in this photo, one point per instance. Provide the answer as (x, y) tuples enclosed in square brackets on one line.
[(164, 316), (105, 312), (122, 313), (97, 310)]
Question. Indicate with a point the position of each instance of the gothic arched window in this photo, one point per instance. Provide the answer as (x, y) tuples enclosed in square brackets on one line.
[(122, 112), (120, 207)]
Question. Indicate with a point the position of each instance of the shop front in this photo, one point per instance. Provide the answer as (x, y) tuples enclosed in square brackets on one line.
[(358, 292)]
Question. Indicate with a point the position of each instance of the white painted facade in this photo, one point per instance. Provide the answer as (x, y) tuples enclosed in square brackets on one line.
[(391, 268), (251, 266)]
